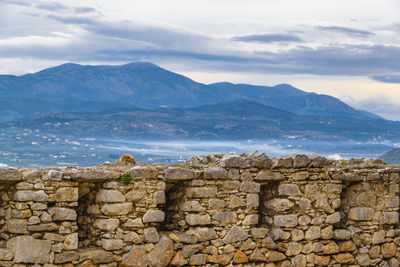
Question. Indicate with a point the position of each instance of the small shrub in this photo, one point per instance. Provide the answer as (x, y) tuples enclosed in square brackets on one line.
[(126, 178)]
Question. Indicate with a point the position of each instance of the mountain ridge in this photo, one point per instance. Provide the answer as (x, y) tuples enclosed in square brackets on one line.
[(146, 85)]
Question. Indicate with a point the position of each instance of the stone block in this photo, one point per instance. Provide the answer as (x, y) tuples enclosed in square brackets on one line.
[(250, 187), (179, 174), (201, 192), (28, 195), (288, 190), (17, 226), (197, 219), (62, 214), (253, 200), (269, 176), (109, 196), (135, 195), (67, 194), (233, 161), (235, 234), (286, 220), (106, 224), (227, 217), (151, 235), (117, 208), (29, 250), (153, 216), (361, 214), (112, 244), (215, 173)]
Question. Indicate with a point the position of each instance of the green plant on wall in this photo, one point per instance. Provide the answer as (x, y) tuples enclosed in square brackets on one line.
[(126, 178)]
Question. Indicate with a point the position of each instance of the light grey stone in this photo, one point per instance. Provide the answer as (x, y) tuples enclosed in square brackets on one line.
[(205, 234), (253, 200), (38, 196), (62, 214), (111, 196), (117, 208), (151, 235), (106, 224), (112, 244), (250, 187), (235, 234), (226, 217), (289, 190), (53, 175), (333, 218), (233, 161), (259, 160), (179, 174), (71, 241), (29, 250), (159, 197), (153, 216), (269, 176), (215, 173), (133, 223), (361, 214), (197, 219), (286, 220)]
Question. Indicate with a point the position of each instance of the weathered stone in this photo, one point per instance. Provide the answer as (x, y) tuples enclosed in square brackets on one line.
[(389, 250), (227, 217), (327, 232), (221, 260), (43, 227), (178, 260), (259, 160), (391, 217), (93, 175), (293, 249), (378, 237), (116, 209), (67, 194), (162, 253), (333, 218), (257, 255), (65, 257), (133, 223), (250, 187), (299, 261), (53, 175), (151, 235), (301, 161), (235, 234), (189, 250), (205, 234), (331, 248), (109, 196), (38, 196), (201, 192), (363, 260), (112, 244), (106, 224), (239, 257), (10, 175), (197, 219), (136, 257), (153, 216), (347, 246), (250, 219), (297, 235), (132, 237), (269, 176), (33, 220), (143, 172), (62, 214), (17, 226), (279, 204), (198, 259), (285, 220), (314, 232), (29, 250), (361, 214), (179, 174), (159, 197), (233, 161), (6, 254), (275, 256), (38, 206), (71, 242), (135, 195), (302, 175), (344, 258), (54, 237), (288, 190), (215, 173), (321, 260), (253, 200), (21, 214), (341, 234)]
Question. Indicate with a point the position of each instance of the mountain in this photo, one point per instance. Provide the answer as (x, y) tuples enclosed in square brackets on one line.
[(146, 85), (392, 156), (237, 119)]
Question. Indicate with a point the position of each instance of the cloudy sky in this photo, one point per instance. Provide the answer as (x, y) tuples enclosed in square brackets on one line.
[(346, 48)]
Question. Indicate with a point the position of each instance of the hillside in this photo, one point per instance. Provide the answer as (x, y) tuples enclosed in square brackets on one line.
[(149, 86), (392, 156)]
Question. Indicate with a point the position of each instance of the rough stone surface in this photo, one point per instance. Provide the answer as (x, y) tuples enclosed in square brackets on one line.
[(29, 250)]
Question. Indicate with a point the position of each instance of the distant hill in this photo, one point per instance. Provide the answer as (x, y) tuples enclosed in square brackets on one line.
[(72, 87), (237, 119), (392, 156)]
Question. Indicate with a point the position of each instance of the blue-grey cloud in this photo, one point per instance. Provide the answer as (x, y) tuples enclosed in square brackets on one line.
[(346, 30), (81, 10), (17, 2), (51, 6), (71, 19), (268, 38), (387, 78)]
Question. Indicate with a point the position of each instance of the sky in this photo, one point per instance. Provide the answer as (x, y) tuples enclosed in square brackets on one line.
[(346, 48)]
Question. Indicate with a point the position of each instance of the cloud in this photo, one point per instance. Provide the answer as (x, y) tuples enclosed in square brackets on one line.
[(381, 105), (81, 10), (387, 78), (51, 6), (17, 2), (268, 38), (346, 30)]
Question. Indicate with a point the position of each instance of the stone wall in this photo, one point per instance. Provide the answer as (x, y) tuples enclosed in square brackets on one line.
[(235, 210)]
